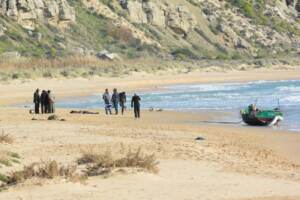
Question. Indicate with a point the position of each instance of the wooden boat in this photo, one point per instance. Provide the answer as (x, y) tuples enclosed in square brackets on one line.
[(261, 117)]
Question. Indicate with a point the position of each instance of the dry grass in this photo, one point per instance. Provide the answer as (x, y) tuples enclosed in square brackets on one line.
[(46, 170), (104, 162), (8, 158), (91, 66), (6, 138), (91, 164)]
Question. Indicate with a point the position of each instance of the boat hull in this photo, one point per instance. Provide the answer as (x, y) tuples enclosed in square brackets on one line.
[(262, 118), (253, 121)]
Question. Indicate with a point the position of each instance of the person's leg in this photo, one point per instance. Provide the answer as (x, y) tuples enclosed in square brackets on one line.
[(50, 108), (53, 108), (117, 108), (138, 111), (106, 109), (36, 108), (42, 108), (135, 112), (109, 109)]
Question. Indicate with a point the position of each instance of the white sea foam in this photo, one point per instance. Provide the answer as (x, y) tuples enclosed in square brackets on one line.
[(289, 89), (291, 99)]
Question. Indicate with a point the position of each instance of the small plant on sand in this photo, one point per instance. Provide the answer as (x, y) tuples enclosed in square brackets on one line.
[(6, 162), (3, 178), (48, 170), (105, 162), (8, 158), (6, 138)]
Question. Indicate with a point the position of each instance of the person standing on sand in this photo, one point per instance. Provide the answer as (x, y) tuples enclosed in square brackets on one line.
[(106, 98), (51, 101), (115, 101), (122, 101), (43, 101), (46, 102), (135, 103), (36, 101)]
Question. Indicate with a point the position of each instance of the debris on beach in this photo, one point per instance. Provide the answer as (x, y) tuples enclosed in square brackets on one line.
[(55, 118), (199, 139), (84, 112), (159, 110)]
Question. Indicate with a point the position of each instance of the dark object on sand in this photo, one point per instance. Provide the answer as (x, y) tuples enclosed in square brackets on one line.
[(84, 112), (53, 117), (34, 119), (151, 109), (160, 110), (261, 117), (199, 139)]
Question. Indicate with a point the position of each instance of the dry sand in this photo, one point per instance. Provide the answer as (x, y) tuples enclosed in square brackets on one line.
[(232, 163)]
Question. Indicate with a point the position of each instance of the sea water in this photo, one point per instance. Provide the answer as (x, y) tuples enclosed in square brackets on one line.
[(223, 97)]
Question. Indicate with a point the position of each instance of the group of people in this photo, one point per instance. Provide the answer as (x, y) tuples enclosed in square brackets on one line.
[(120, 99), (43, 101)]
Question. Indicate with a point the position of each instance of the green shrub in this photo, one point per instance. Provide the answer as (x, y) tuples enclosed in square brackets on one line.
[(184, 53)]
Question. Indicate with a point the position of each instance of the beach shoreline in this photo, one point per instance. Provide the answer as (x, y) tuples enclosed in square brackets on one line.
[(17, 92)]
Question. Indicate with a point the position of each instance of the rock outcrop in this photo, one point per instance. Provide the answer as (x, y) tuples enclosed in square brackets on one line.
[(166, 28), (29, 12), (176, 17)]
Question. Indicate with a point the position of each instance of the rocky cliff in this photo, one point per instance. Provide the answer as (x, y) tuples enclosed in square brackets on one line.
[(29, 13), (168, 28)]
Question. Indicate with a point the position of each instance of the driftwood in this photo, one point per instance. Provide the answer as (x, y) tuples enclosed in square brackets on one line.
[(84, 112)]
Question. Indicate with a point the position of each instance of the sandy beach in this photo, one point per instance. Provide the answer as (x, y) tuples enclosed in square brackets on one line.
[(227, 163)]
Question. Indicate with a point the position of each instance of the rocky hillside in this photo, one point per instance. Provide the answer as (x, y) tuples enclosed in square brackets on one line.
[(181, 29)]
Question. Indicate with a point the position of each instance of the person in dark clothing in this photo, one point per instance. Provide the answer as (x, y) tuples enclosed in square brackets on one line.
[(36, 101), (122, 101), (43, 101), (135, 103), (46, 102), (115, 100), (106, 98)]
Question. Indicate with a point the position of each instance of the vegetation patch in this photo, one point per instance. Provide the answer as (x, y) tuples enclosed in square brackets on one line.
[(48, 170), (7, 159), (89, 164), (104, 162), (6, 138)]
